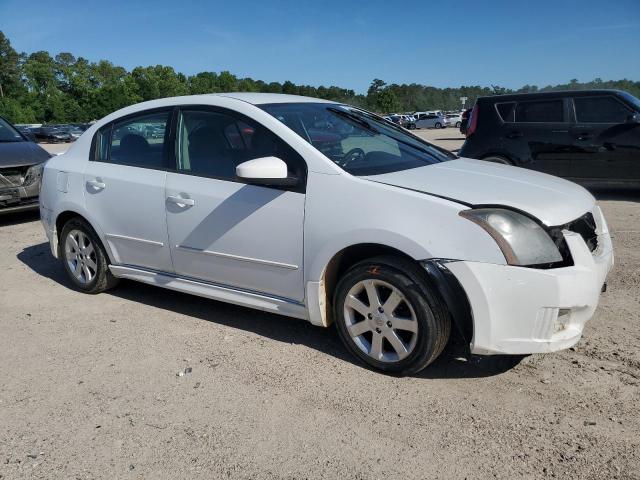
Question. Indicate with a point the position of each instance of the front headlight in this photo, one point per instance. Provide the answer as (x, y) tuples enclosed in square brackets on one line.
[(522, 241), (34, 173)]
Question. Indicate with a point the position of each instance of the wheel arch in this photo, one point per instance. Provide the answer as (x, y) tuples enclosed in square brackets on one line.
[(67, 214), (319, 292)]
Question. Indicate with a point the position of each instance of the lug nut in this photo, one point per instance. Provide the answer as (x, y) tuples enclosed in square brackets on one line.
[(369, 316), (381, 310), (378, 330), (389, 324)]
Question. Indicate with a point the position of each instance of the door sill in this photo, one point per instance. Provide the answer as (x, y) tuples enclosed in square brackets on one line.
[(214, 291)]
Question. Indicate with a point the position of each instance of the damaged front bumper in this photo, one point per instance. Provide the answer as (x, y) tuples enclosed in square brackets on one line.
[(520, 310), (19, 198)]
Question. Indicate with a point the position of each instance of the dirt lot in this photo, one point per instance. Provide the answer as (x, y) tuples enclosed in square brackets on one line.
[(89, 387)]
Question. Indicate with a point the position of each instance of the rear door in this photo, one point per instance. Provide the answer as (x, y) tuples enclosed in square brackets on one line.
[(225, 231), (538, 131), (605, 146), (124, 188)]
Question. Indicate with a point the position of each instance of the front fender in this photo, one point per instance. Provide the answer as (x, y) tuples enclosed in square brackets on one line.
[(351, 238)]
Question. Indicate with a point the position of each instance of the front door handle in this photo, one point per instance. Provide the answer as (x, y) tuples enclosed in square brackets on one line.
[(181, 202), (97, 184), (515, 135)]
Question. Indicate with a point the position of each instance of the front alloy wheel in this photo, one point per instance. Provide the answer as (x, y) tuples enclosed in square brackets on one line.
[(380, 321), (388, 315)]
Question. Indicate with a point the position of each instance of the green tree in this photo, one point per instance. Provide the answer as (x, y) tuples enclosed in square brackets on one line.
[(9, 68), (40, 88)]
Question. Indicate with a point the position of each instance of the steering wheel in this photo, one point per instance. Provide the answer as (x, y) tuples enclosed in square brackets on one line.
[(352, 155)]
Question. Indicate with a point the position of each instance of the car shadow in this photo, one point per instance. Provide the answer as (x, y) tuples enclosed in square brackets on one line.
[(455, 361), (621, 195), (14, 218)]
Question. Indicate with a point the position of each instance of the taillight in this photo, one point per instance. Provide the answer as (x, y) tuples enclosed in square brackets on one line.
[(473, 121)]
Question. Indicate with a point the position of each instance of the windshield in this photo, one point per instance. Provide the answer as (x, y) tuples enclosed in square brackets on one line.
[(8, 133), (357, 141)]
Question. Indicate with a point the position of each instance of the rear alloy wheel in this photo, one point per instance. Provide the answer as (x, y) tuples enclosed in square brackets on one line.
[(458, 124), (84, 257), (438, 125), (389, 317)]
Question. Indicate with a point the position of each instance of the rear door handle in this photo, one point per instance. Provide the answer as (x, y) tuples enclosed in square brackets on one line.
[(97, 184), (515, 135), (180, 201), (584, 136)]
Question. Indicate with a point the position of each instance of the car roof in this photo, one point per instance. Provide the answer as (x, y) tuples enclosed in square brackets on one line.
[(262, 98), (549, 94)]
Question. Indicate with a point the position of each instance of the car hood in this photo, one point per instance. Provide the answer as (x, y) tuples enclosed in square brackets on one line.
[(20, 154), (551, 200)]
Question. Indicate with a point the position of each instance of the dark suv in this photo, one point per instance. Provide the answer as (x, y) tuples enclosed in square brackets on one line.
[(590, 136)]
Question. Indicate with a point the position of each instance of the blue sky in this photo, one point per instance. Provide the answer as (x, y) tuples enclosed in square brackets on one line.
[(345, 43)]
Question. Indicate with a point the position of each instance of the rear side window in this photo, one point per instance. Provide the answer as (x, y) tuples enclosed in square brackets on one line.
[(506, 111), (600, 110), (213, 144), (548, 111), (137, 141)]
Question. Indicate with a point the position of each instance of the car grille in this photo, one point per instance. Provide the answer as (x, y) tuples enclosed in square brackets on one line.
[(12, 177), (585, 226)]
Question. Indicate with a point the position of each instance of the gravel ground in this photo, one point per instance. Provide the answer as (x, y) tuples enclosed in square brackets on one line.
[(91, 387)]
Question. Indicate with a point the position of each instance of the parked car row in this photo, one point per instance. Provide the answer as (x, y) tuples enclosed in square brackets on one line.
[(54, 133), (427, 119)]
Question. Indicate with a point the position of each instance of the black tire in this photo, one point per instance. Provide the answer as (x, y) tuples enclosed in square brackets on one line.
[(438, 125), (103, 279), (498, 159), (432, 315)]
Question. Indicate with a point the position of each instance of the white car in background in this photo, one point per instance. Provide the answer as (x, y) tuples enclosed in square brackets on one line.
[(324, 212), (431, 120), (453, 119)]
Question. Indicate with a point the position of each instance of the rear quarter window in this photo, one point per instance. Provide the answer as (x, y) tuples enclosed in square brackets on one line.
[(506, 111)]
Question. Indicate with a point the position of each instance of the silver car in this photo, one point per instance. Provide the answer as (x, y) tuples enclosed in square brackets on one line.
[(426, 120)]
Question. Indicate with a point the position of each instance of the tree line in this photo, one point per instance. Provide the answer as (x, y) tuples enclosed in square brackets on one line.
[(39, 88)]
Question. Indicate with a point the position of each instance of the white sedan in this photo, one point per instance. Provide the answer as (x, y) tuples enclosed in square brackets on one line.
[(325, 212)]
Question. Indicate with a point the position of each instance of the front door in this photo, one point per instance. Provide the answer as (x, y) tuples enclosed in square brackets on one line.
[(222, 230), (605, 146), (124, 189)]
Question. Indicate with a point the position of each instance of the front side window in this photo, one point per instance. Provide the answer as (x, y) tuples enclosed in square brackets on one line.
[(213, 144), (136, 141), (548, 111), (357, 141), (600, 110)]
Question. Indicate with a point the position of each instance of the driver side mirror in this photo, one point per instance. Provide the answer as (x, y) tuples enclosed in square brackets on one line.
[(633, 118), (265, 171)]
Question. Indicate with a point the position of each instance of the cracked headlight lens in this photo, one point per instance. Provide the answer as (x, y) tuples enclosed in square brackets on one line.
[(34, 173)]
